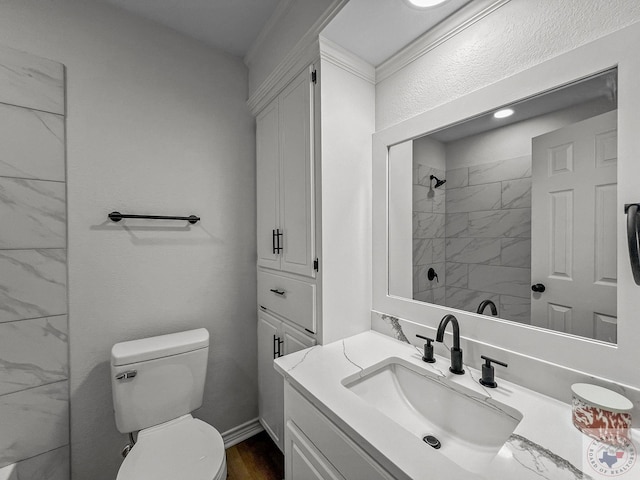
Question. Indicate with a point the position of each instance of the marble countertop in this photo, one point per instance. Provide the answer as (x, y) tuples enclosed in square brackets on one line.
[(545, 444)]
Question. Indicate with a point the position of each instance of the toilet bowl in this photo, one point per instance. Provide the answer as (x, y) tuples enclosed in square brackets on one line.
[(156, 383), (185, 448)]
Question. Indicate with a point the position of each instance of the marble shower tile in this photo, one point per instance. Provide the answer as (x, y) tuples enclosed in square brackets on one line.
[(511, 169), (422, 251), (53, 465), (456, 225), (468, 300), (32, 144), (439, 201), (457, 177), (516, 193), (473, 250), (516, 309), (474, 198), (500, 223), (516, 252), (502, 280), (422, 174), (422, 199), (30, 81), (421, 282), (428, 225), (33, 283), (438, 250), (36, 211), (457, 274), (33, 421), (33, 353)]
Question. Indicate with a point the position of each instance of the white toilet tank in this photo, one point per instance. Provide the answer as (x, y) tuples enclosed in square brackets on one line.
[(158, 379)]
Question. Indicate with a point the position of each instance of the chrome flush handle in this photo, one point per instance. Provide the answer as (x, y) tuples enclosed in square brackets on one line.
[(127, 374)]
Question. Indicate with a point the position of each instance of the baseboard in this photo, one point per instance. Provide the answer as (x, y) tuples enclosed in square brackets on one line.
[(241, 432)]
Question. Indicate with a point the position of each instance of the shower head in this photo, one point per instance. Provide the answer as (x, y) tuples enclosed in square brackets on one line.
[(439, 182)]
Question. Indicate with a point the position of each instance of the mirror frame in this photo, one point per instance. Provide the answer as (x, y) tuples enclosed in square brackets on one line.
[(615, 362)]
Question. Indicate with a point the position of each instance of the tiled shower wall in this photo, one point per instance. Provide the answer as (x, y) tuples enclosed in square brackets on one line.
[(488, 237), (34, 367), (428, 235)]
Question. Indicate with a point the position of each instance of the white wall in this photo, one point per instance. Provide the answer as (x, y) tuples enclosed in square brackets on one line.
[(347, 105), (157, 124), (517, 36)]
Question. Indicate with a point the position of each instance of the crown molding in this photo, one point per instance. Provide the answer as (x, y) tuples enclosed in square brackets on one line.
[(344, 59), (448, 28), (301, 55), (280, 11)]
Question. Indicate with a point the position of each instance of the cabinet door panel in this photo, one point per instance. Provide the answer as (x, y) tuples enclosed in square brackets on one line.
[(267, 175), (270, 382), (303, 461), (296, 187), (294, 340)]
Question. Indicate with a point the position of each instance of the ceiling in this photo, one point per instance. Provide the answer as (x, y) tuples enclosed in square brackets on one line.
[(230, 25), (376, 29)]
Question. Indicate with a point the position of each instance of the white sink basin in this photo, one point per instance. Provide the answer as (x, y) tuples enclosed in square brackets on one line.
[(470, 427)]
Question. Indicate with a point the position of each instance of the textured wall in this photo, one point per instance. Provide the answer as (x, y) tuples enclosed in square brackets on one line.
[(34, 364), (517, 36), (156, 123)]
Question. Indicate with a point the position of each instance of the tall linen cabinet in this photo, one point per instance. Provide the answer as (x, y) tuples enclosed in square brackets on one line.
[(286, 238)]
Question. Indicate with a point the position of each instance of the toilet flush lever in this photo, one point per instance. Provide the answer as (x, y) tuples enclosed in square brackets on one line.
[(127, 374)]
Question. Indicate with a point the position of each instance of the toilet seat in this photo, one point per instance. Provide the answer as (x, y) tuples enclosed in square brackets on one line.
[(185, 448)]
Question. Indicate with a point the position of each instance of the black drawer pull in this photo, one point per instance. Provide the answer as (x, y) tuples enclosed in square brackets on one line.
[(277, 291)]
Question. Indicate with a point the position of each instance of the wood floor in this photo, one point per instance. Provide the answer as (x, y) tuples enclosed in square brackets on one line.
[(257, 458)]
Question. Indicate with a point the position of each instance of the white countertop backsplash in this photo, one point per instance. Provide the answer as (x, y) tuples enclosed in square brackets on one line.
[(544, 445)]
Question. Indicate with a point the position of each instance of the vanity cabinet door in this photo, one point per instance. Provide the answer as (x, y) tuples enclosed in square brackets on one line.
[(304, 461), (270, 383), (294, 340)]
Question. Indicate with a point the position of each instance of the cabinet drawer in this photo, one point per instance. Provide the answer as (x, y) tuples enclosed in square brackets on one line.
[(348, 458), (289, 298)]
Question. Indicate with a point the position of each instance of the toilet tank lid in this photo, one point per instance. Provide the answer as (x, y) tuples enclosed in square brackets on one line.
[(136, 351)]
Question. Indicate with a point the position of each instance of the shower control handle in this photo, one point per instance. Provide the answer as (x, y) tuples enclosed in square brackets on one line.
[(538, 288)]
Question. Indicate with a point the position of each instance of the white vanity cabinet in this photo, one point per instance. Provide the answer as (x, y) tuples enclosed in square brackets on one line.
[(285, 189), (275, 339), (316, 448)]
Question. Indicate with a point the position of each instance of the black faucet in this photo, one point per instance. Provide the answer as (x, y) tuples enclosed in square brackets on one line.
[(456, 352), (488, 303)]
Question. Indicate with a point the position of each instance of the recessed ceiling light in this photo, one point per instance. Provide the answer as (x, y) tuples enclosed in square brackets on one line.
[(425, 3), (505, 112)]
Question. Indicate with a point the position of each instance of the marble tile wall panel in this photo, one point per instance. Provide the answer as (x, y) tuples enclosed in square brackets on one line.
[(428, 225), (32, 144), (422, 174), (435, 295), (456, 225), (36, 211), (53, 465), (498, 223), (465, 299), (501, 280), (473, 198), (457, 274), (516, 252), (517, 309), (516, 193), (30, 81), (422, 251), (33, 283), (473, 250), (439, 245), (33, 421), (33, 353), (421, 280), (511, 169), (422, 199), (457, 177)]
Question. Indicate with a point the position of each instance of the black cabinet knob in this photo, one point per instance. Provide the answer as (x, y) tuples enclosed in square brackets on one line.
[(538, 288)]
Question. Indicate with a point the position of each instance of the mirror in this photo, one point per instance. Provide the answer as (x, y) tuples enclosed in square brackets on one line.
[(512, 213)]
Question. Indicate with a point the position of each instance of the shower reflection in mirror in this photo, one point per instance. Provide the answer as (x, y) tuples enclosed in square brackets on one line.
[(529, 199)]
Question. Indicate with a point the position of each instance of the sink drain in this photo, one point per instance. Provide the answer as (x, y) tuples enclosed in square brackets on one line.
[(432, 441)]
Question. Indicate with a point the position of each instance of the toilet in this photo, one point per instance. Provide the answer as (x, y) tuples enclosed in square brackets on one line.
[(157, 382)]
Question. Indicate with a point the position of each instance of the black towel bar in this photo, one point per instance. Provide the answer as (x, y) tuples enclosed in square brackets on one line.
[(117, 216)]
